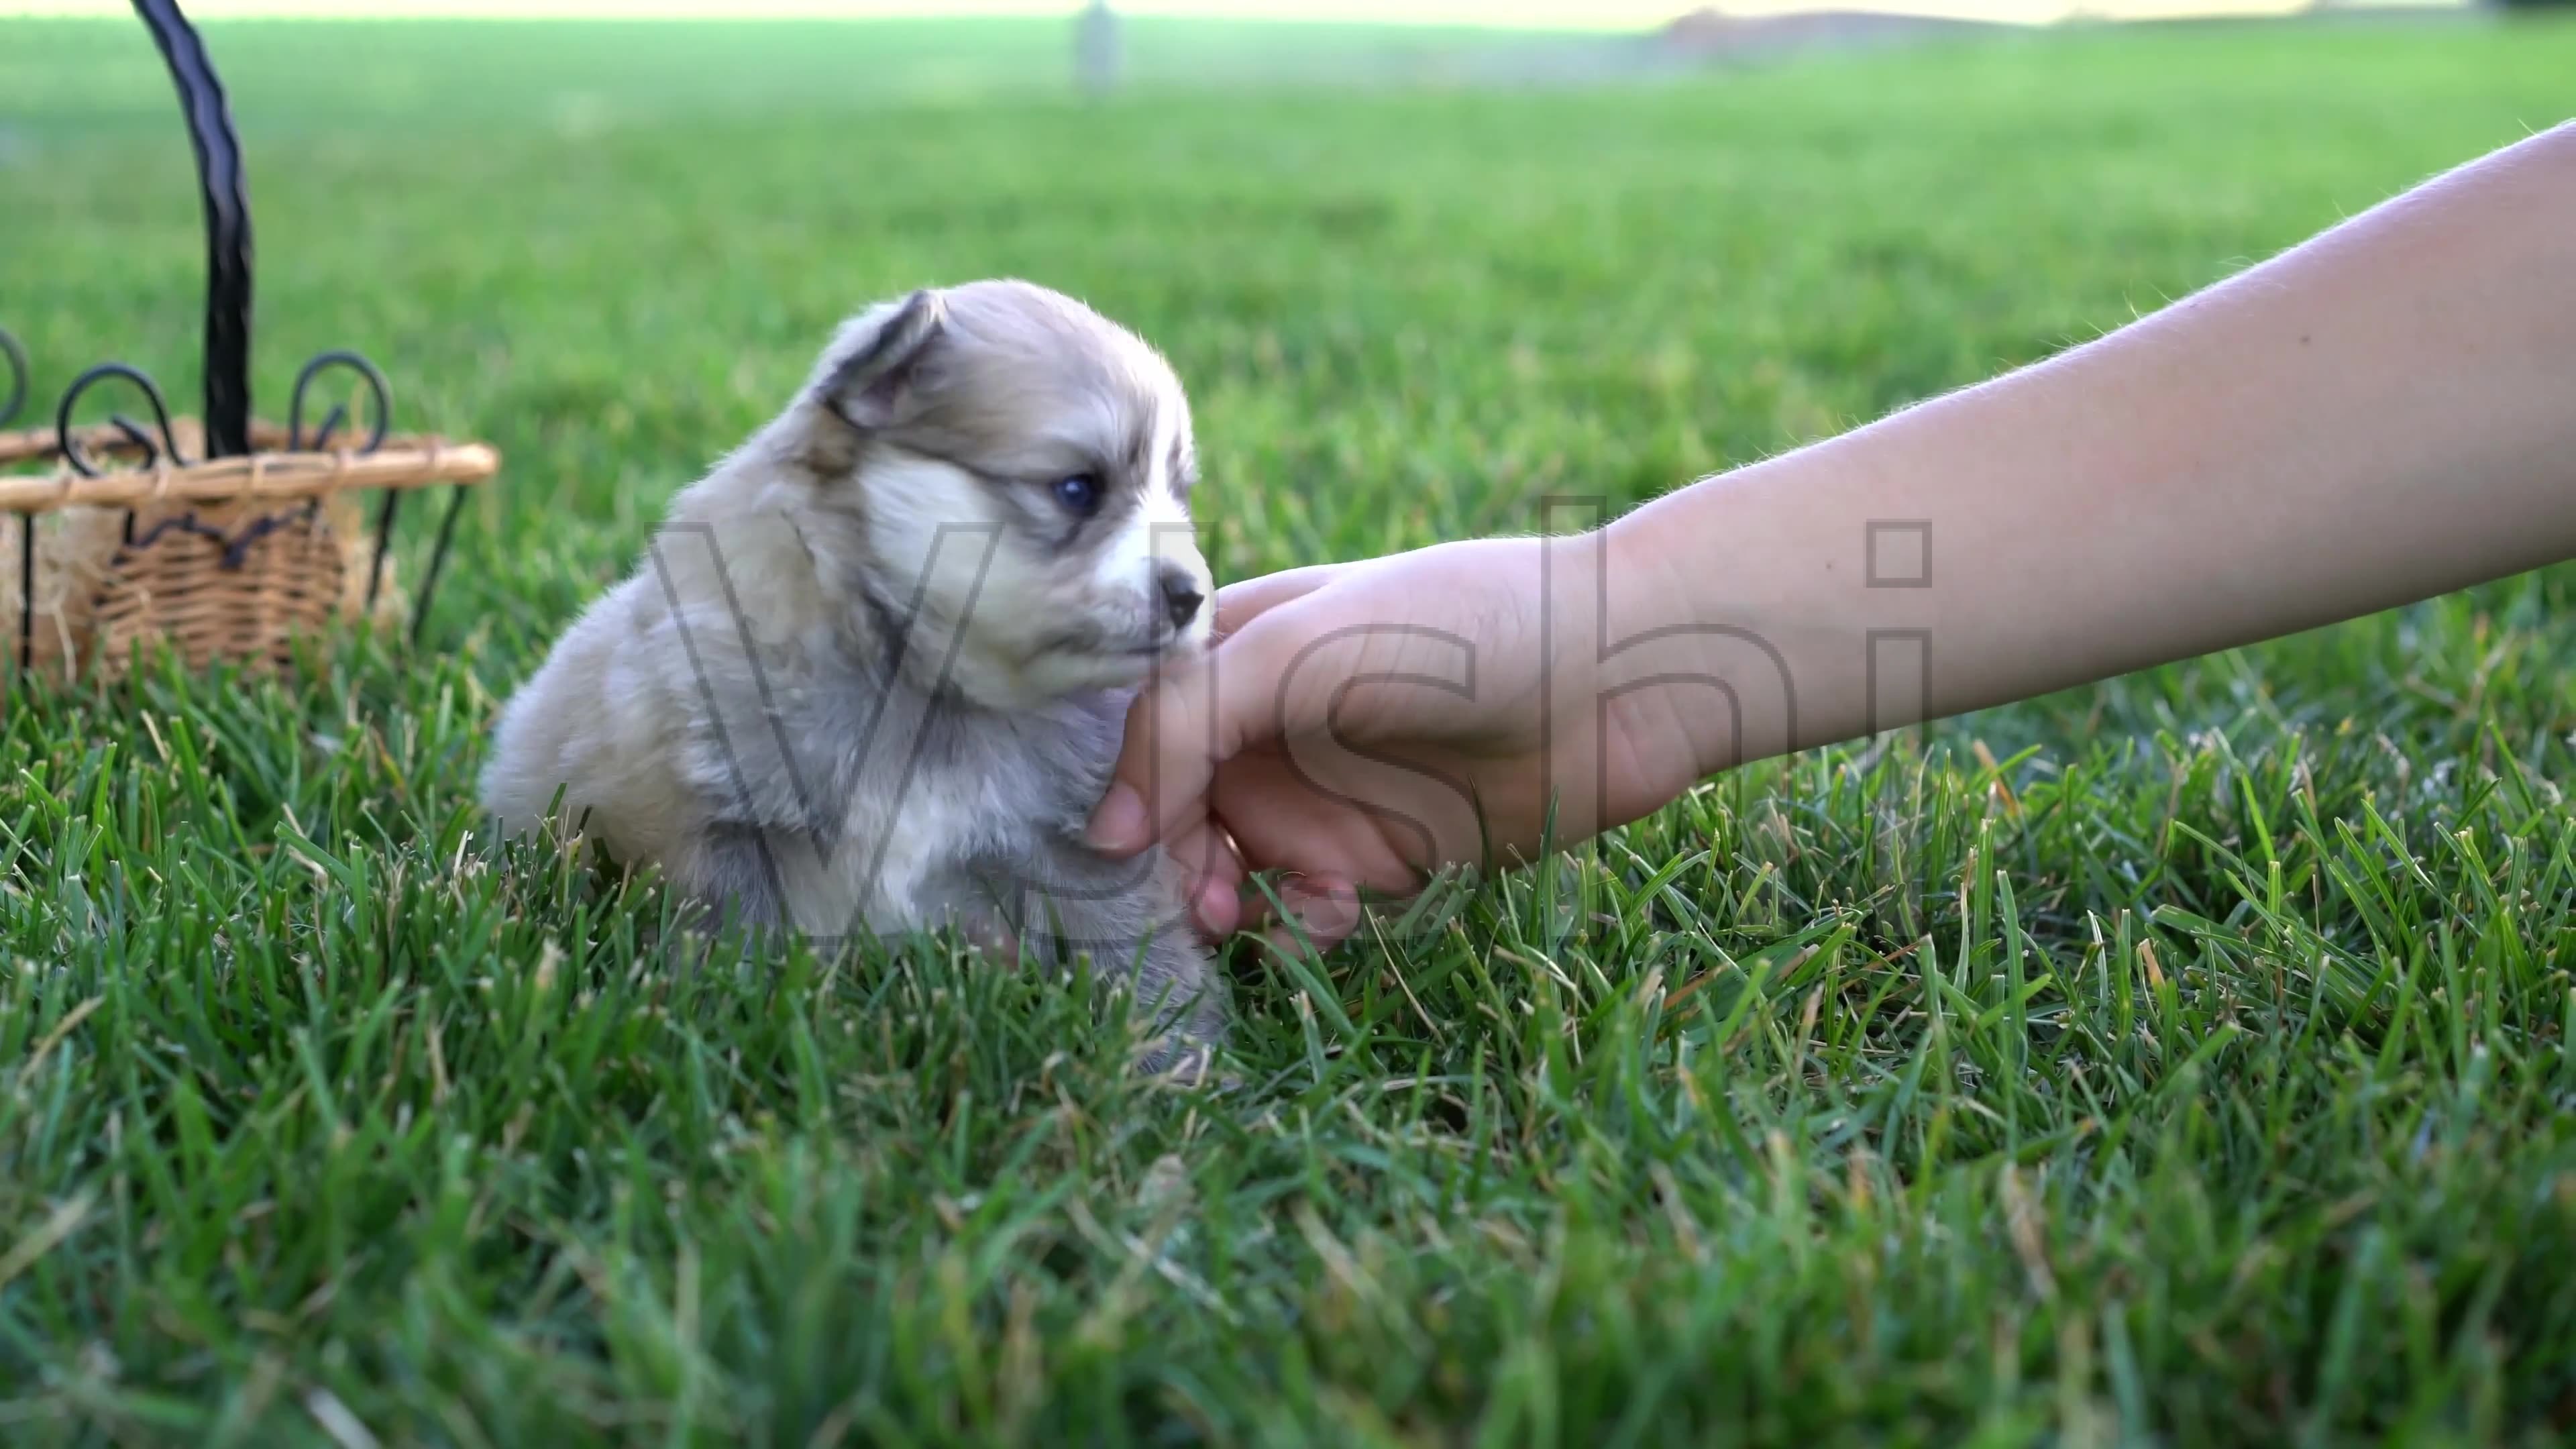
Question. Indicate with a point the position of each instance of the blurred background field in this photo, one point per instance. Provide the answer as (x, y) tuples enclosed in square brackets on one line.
[(1407, 308), (2077, 1124)]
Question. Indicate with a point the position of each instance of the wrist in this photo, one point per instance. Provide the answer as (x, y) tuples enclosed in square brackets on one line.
[(1663, 655), (1733, 653), (1649, 590)]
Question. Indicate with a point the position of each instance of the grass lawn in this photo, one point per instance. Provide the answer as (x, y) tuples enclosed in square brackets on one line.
[(2196, 1074)]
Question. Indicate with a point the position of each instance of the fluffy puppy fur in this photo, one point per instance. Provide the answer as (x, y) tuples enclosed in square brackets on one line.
[(873, 674)]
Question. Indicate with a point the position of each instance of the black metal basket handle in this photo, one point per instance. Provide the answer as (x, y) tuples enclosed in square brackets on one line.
[(13, 394), (227, 198)]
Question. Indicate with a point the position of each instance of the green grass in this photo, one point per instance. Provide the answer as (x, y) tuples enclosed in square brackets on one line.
[(2199, 1075)]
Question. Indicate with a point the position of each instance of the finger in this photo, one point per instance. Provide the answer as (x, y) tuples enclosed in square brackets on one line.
[(1201, 851), (1281, 819), (1211, 874), (1186, 723), (1323, 912), (1218, 912), (1252, 910), (1238, 604)]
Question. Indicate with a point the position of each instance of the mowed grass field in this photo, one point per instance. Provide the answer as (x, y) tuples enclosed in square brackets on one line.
[(2195, 1072)]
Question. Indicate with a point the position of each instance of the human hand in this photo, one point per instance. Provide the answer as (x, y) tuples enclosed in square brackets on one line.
[(1358, 726)]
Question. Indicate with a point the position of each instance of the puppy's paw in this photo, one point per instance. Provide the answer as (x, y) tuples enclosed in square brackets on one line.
[(1184, 1062), (989, 936)]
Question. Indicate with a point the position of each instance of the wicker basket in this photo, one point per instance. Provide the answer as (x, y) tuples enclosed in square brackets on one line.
[(125, 545), (232, 560)]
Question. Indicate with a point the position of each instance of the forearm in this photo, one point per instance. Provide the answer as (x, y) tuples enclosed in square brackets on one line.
[(2386, 413)]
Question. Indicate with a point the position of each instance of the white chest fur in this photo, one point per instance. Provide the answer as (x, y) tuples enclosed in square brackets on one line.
[(896, 863)]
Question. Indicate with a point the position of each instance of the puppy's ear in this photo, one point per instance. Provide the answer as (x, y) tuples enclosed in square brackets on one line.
[(867, 377)]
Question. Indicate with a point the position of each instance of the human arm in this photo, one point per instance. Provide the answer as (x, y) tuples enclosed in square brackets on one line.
[(2384, 413)]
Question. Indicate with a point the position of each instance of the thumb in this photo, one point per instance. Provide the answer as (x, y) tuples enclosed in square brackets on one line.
[(1194, 717)]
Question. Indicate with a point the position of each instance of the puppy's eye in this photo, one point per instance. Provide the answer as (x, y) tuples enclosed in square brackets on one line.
[(1080, 493)]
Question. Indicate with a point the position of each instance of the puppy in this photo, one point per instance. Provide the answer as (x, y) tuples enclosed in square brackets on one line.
[(873, 674)]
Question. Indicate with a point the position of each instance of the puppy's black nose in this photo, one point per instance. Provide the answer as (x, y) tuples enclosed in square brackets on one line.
[(1181, 597)]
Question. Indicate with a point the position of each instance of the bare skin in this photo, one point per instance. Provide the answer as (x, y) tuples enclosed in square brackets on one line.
[(2382, 414)]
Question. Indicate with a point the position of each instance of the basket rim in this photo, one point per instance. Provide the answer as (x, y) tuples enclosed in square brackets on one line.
[(400, 462), (24, 445)]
